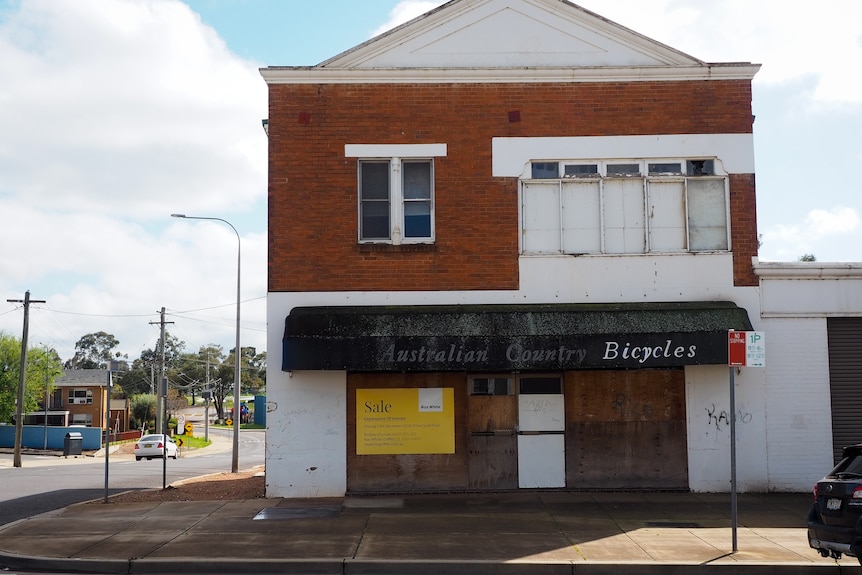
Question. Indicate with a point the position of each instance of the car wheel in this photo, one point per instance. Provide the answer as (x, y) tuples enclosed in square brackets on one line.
[(138, 458), (174, 456)]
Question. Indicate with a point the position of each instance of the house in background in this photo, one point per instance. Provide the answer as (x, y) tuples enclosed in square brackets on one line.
[(507, 241), (82, 393)]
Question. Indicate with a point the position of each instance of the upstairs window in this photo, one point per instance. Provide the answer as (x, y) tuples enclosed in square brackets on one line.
[(374, 202), (396, 191), (396, 200), (80, 396), (624, 207), (417, 178)]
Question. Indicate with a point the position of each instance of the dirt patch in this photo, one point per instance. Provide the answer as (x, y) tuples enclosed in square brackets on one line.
[(247, 484)]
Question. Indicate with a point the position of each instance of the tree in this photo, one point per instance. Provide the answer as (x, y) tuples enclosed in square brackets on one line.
[(807, 258), (94, 351), (192, 373), (144, 373), (254, 378), (209, 368), (42, 365), (143, 410)]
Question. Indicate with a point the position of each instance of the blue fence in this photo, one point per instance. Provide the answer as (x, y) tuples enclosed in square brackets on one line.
[(260, 410), (35, 436)]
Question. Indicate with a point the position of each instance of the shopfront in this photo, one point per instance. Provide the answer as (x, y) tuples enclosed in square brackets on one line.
[(473, 397)]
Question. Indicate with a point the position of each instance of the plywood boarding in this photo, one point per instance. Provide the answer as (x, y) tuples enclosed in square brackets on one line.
[(407, 473), (493, 462), (492, 413), (626, 429)]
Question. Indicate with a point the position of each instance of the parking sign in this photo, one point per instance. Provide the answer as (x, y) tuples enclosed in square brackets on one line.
[(746, 349)]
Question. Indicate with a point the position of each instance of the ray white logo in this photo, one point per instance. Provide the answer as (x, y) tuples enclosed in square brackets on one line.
[(430, 399)]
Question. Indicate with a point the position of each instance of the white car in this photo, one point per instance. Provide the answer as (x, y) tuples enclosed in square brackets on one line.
[(157, 445)]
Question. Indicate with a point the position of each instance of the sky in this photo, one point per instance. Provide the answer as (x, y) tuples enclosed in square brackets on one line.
[(115, 114)]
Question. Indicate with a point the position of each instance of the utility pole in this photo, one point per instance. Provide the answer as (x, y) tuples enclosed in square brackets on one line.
[(162, 398), (162, 414), (22, 371), (209, 394)]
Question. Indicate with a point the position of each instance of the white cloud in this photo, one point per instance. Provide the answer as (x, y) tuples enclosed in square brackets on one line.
[(834, 231), (404, 12), (114, 103), (837, 221), (113, 115)]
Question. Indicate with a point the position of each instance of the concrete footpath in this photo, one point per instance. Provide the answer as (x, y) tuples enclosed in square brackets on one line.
[(546, 532)]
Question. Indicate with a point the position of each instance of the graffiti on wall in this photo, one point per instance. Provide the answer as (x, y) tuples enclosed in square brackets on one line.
[(721, 419), (628, 408)]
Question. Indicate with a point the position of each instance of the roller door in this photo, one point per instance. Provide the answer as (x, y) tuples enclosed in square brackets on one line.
[(845, 379)]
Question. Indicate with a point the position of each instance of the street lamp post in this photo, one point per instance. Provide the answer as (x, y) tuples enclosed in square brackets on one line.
[(234, 466)]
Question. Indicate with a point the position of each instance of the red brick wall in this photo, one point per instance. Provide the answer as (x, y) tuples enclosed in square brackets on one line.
[(312, 187), (743, 230)]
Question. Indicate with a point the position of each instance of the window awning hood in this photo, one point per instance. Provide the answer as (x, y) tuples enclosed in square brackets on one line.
[(480, 338)]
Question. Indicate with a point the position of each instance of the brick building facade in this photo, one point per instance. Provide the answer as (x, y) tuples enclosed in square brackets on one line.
[(475, 215), (506, 242)]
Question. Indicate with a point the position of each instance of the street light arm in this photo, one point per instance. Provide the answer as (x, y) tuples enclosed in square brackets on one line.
[(185, 217), (238, 351)]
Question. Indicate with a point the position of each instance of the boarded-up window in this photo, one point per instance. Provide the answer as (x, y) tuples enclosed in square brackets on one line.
[(667, 215), (612, 208), (707, 214)]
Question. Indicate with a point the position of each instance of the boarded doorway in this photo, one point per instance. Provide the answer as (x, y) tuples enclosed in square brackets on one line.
[(626, 430), (492, 418)]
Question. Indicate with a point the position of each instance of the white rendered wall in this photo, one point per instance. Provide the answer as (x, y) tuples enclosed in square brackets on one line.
[(306, 434), (640, 278), (799, 428), (707, 395), (511, 156)]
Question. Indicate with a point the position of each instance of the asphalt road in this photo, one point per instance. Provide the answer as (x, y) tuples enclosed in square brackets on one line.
[(47, 482)]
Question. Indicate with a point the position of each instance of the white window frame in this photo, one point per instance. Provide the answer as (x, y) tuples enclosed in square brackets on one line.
[(493, 383), (82, 419), (643, 237), (396, 155), (76, 393)]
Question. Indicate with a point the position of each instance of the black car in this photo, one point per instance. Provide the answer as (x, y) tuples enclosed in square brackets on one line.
[(835, 520)]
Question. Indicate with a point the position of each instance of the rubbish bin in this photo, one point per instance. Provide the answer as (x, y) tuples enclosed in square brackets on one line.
[(73, 444)]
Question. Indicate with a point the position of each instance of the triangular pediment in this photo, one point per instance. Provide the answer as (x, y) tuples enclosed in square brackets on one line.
[(509, 34)]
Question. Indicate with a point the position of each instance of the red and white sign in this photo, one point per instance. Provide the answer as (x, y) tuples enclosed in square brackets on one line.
[(746, 349)]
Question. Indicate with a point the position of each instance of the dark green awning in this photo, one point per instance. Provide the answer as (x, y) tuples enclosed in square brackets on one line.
[(510, 337)]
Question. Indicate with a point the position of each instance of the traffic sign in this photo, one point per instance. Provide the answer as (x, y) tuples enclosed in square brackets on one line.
[(179, 441), (189, 428), (746, 349)]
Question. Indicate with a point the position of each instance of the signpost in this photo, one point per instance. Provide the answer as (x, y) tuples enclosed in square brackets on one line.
[(744, 349)]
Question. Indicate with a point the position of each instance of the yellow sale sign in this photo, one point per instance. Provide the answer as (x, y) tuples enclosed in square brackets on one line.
[(405, 421)]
